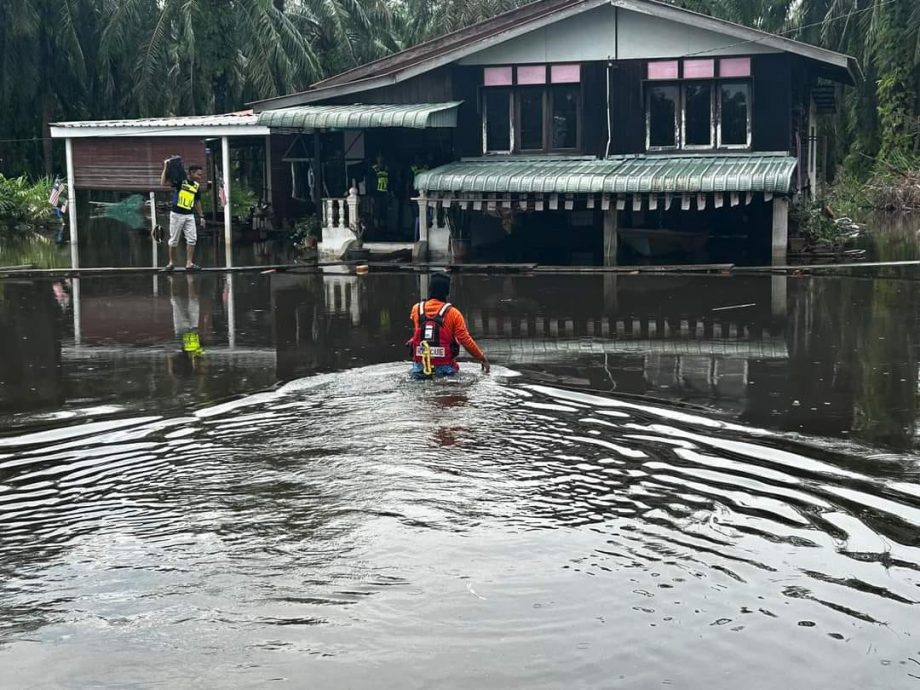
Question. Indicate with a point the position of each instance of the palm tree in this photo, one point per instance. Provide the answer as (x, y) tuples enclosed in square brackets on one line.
[(198, 56)]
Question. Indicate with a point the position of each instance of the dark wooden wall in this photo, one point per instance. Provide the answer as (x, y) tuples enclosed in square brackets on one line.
[(627, 107), (431, 87), (130, 164), (772, 99)]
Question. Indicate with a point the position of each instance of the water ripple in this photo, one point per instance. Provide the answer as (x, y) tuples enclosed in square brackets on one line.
[(359, 515)]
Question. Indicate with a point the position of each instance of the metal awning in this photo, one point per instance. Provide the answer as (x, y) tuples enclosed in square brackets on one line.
[(362, 116), (769, 173)]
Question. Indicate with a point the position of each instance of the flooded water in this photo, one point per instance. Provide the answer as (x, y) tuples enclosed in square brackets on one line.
[(692, 481)]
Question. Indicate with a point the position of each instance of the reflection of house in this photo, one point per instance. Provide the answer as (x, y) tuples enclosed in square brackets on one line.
[(585, 115)]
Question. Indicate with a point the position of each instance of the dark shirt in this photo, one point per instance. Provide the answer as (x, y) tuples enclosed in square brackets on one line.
[(189, 197)]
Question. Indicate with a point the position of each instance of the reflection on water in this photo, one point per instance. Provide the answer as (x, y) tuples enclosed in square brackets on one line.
[(829, 356), (700, 481), (490, 532)]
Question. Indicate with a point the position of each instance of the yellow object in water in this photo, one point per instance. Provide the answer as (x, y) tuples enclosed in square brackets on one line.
[(191, 343), (427, 369)]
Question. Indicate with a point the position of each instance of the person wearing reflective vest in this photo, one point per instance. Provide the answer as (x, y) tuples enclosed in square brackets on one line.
[(380, 193), (440, 330), (186, 202)]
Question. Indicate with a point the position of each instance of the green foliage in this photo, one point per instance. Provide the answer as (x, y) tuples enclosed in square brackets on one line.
[(78, 59), (24, 205), (305, 229)]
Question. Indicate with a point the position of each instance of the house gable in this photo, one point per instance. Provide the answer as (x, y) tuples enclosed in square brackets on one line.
[(651, 27), (608, 32)]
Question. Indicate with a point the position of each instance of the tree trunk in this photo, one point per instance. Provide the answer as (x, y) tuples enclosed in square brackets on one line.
[(47, 116)]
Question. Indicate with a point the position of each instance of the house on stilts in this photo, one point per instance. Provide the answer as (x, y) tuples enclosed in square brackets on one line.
[(593, 129)]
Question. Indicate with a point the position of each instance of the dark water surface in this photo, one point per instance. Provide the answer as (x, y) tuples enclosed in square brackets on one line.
[(688, 481)]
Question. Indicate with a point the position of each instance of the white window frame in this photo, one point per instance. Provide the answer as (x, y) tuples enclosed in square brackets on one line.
[(746, 82), (678, 130), (682, 98)]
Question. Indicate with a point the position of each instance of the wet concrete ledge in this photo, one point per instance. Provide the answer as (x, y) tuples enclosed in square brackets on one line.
[(492, 268)]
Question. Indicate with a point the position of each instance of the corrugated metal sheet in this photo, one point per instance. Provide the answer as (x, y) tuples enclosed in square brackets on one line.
[(362, 116), (130, 164), (753, 172), (245, 117)]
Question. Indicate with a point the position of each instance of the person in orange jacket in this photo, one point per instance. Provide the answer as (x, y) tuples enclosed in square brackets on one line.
[(439, 331)]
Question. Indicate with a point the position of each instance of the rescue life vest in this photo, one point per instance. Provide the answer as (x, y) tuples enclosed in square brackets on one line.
[(432, 341), (185, 195), (383, 178)]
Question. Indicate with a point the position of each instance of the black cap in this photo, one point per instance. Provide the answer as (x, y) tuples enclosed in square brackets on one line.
[(439, 286)]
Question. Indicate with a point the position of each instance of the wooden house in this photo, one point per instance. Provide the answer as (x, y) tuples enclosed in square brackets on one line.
[(562, 126)]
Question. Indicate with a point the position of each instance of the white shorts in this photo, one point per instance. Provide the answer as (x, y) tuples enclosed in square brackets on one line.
[(179, 223)]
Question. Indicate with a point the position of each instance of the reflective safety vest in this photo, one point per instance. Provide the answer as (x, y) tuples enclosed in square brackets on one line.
[(432, 344), (185, 195), (383, 178)]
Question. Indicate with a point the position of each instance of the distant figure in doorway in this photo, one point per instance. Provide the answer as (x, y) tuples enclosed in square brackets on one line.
[(380, 192), (186, 203), (440, 330)]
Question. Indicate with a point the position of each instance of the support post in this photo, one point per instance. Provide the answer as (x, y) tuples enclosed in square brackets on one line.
[(225, 164), (353, 208), (268, 171), (780, 228), (610, 237), (317, 168), (423, 216), (72, 206)]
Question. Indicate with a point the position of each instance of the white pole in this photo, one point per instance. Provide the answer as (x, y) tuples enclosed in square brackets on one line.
[(225, 164), (72, 206)]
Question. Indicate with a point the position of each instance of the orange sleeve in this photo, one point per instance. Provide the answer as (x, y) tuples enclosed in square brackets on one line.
[(457, 324)]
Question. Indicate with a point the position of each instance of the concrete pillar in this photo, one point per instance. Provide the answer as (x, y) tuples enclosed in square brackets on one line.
[(225, 164), (72, 206), (610, 237), (780, 229), (423, 217)]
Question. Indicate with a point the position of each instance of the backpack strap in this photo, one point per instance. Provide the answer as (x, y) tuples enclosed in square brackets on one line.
[(421, 312), (443, 310)]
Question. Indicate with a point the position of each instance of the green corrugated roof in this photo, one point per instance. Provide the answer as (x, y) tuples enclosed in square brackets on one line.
[(754, 172), (362, 116)]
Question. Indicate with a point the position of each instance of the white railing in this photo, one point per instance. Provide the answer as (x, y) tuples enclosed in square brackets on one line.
[(341, 213)]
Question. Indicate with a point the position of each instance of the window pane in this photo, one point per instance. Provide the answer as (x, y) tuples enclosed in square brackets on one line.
[(498, 120), (532, 74), (565, 74), (565, 118), (735, 104), (532, 119), (497, 76), (663, 69), (699, 69), (735, 67), (698, 115), (662, 116)]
